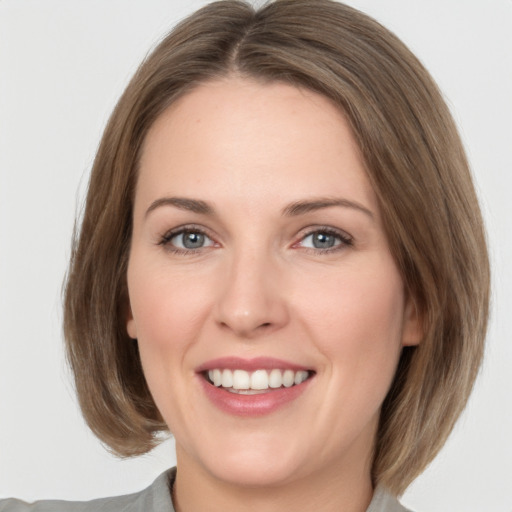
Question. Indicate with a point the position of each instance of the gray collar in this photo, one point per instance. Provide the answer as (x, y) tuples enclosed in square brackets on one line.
[(155, 498)]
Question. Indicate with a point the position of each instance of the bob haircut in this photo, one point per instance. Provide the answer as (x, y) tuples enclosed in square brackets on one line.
[(416, 164)]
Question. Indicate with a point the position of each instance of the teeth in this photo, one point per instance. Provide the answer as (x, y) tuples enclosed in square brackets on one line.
[(300, 377), (288, 378), (275, 379), (259, 380), (227, 379), (217, 377), (240, 380)]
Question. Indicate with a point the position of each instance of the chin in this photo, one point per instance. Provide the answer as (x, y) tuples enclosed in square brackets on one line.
[(257, 473), (255, 464)]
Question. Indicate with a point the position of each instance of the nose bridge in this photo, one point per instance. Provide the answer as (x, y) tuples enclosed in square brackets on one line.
[(251, 300)]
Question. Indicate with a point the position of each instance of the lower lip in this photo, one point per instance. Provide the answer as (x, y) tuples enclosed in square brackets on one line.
[(252, 405)]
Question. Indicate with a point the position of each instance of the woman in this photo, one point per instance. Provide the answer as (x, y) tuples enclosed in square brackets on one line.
[(281, 261)]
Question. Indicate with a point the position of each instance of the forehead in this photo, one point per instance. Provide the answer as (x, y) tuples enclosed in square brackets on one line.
[(235, 137)]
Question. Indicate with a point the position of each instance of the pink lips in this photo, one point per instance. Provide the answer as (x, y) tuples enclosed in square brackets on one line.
[(249, 365), (250, 405)]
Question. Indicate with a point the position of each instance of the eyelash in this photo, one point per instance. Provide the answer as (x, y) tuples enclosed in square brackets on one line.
[(344, 240), (166, 239)]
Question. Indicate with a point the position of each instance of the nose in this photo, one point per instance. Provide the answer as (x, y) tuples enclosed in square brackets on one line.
[(252, 297)]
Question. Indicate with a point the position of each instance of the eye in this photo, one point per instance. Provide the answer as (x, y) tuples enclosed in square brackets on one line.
[(325, 240), (187, 239)]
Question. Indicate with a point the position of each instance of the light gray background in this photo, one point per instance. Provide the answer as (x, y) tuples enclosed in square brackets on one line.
[(63, 64)]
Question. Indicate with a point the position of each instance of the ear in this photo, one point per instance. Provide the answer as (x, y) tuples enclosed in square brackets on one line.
[(412, 330), (131, 326)]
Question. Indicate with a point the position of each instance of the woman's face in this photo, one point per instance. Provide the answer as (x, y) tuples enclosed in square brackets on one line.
[(259, 261)]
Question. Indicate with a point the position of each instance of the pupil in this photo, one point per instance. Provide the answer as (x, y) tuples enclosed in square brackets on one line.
[(323, 241), (193, 240)]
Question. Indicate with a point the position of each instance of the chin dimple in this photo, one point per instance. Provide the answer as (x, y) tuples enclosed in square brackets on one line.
[(243, 382)]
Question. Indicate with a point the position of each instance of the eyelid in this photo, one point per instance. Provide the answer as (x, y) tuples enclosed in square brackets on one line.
[(346, 240), (165, 239)]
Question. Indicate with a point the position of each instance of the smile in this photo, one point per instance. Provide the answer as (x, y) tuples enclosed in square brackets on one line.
[(253, 387), (259, 381)]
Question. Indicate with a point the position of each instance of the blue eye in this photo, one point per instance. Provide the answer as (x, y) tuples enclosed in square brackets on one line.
[(325, 240), (188, 240)]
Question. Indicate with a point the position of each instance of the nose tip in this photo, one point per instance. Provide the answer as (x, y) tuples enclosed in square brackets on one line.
[(247, 323), (251, 301)]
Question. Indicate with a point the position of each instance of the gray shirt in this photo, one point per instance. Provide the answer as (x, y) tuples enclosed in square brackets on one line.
[(156, 498)]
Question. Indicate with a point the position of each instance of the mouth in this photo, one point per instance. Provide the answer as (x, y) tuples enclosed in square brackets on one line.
[(256, 382), (253, 387)]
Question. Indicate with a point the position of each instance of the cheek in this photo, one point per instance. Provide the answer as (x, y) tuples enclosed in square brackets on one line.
[(357, 316), (356, 322), (166, 307), (168, 314)]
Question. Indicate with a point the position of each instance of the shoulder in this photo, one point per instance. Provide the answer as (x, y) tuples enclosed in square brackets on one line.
[(383, 501), (154, 498)]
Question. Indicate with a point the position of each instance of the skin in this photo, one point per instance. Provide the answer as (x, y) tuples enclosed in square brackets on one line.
[(259, 287)]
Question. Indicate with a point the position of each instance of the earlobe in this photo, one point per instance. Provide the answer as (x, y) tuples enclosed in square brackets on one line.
[(412, 332), (131, 327)]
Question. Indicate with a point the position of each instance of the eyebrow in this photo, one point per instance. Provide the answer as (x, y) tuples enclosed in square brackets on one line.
[(294, 209), (183, 203), (302, 207)]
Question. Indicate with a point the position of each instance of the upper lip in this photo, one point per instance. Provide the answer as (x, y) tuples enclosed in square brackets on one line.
[(250, 365)]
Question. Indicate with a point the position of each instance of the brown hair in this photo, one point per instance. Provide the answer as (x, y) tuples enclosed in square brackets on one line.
[(415, 162)]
